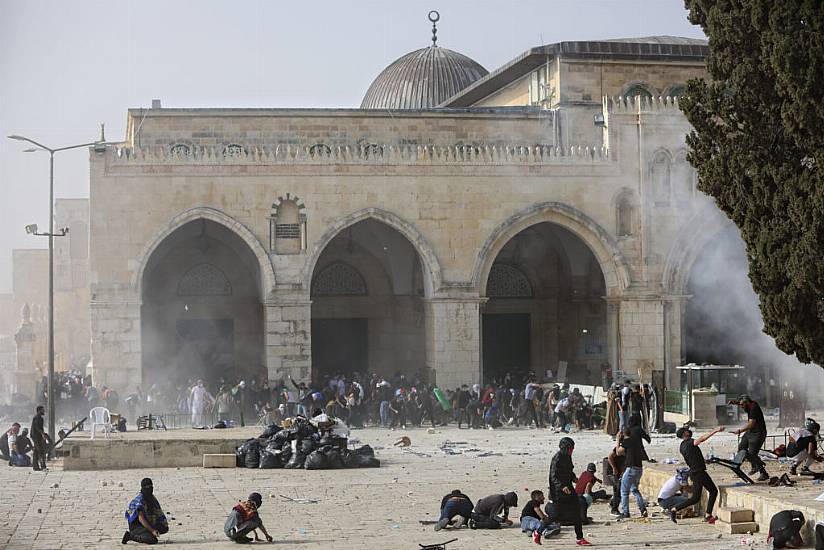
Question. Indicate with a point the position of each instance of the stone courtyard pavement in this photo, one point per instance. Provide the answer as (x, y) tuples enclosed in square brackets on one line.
[(374, 508)]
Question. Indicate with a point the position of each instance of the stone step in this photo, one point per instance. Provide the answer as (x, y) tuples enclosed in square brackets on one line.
[(219, 461), (735, 515), (737, 528)]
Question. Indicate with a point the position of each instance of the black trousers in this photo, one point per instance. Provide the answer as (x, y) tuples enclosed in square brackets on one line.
[(615, 503), (752, 443), (701, 481), (38, 456), (143, 535), (568, 509)]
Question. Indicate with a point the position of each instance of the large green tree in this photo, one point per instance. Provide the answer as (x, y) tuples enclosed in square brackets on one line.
[(758, 147)]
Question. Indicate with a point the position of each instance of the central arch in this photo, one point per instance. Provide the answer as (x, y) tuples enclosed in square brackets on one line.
[(367, 288)]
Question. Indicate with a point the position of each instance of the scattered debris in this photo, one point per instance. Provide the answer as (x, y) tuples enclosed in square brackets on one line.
[(403, 441), (299, 500), (417, 453), (489, 453), (103, 483), (55, 486)]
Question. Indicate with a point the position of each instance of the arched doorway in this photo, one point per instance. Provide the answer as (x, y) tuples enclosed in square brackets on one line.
[(201, 313), (367, 304), (545, 308)]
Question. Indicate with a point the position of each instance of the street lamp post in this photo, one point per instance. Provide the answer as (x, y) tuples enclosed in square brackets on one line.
[(32, 229)]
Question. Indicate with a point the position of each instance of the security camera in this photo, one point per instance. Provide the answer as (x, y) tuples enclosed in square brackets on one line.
[(31, 229)]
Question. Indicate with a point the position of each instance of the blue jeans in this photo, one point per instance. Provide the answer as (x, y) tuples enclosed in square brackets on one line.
[(629, 484), (20, 459), (457, 507), (672, 502), (530, 524), (385, 419)]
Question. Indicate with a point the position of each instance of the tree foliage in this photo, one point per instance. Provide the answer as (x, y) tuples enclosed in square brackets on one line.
[(758, 147)]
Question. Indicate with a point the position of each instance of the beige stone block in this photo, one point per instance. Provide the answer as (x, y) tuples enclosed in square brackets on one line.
[(735, 515), (219, 461), (737, 528)]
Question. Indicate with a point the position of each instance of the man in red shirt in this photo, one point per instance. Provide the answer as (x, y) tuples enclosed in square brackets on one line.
[(585, 484)]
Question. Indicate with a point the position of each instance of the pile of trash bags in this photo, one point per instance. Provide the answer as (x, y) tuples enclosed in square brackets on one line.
[(318, 444)]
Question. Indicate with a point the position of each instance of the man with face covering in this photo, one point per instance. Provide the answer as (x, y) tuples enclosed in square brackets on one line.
[(145, 516), (566, 505), (244, 519)]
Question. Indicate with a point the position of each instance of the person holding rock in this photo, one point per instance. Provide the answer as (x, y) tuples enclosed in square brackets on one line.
[(244, 519), (145, 516)]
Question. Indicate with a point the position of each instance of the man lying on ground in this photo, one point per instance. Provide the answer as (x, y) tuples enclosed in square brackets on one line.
[(244, 519), (534, 521), (493, 511), (456, 509)]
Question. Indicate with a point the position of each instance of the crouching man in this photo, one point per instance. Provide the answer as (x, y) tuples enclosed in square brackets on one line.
[(145, 516), (534, 521), (493, 511), (456, 509), (244, 519)]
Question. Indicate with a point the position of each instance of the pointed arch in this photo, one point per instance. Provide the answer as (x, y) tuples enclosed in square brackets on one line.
[(431, 266), (267, 271), (597, 239)]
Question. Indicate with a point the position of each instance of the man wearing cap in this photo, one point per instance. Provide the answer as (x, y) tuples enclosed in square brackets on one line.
[(145, 516), (701, 480), (244, 519), (673, 492), (755, 433)]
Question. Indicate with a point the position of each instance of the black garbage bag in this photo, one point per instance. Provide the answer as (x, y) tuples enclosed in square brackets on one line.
[(333, 441), (333, 459), (315, 461), (365, 450), (252, 456), (307, 445), (360, 461), (296, 461), (240, 453), (270, 460), (270, 430), (280, 438)]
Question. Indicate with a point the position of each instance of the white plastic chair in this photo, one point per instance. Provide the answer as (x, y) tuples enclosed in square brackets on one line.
[(100, 416)]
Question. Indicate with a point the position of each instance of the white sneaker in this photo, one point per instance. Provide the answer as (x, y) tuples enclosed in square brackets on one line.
[(458, 522)]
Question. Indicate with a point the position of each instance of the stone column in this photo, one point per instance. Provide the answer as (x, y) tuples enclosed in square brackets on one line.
[(613, 339), (641, 332), (26, 373), (674, 307), (453, 340), (116, 342), (288, 336)]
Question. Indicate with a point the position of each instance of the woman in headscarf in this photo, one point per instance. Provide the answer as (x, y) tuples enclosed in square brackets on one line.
[(145, 517)]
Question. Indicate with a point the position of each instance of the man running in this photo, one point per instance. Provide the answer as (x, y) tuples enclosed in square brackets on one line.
[(566, 505), (701, 480), (755, 433)]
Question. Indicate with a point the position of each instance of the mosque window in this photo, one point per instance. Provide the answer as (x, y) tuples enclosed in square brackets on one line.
[(676, 90), (180, 149), (540, 89), (339, 279), (683, 177), (660, 178), (287, 226), (507, 281), (233, 150), (637, 89)]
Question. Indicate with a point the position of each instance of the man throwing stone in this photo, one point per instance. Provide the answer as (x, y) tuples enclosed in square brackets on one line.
[(701, 480)]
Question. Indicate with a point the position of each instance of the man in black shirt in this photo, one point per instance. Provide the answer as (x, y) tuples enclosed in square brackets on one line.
[(39, 440), (632, 449), (534, 521), (701, 480), (493, 511), (755, 433)]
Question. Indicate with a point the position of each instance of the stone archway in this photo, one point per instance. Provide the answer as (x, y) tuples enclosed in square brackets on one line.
[(267, 271), (367, 312), (598, 240), (431, 266), (201, 291)]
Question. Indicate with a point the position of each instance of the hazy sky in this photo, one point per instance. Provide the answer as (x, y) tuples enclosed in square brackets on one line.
[(66, 66)]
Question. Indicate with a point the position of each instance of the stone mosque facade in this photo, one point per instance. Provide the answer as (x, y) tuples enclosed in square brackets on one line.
[(460, 225)]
